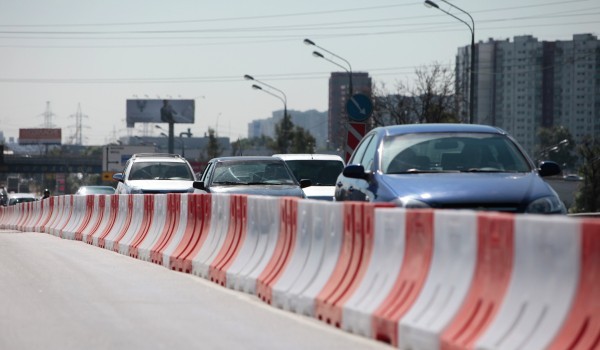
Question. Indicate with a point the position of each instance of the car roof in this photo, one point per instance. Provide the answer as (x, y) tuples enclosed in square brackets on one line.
[(302, 156), (21, 195), (441, 127), (242, 158), (153, 157)]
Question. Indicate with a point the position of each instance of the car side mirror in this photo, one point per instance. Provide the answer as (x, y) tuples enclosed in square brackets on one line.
[(199, 185), (548, 168), (118, 177), (354, 171), (305, 183)]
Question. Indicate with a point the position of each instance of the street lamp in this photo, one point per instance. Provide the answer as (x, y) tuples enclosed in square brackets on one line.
[(320, 55), (471, 27), (283, 96)]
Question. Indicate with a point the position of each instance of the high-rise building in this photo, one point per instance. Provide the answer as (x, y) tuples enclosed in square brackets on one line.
[(524, 85), (339, 92)]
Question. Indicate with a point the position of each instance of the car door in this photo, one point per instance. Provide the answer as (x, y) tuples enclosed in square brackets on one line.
[(351, 189)]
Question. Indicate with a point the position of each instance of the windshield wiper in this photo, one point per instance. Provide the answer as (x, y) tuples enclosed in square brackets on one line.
[(417, 171), (228, 183)]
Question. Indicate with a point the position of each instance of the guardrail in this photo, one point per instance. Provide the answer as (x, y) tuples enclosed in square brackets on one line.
[(417, 279)]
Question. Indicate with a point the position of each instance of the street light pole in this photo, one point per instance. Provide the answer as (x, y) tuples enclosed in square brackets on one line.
[(471, 27), (319, 55), (283, 96)]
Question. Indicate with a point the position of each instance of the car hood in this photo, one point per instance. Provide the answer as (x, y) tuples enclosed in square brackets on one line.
[(320, 192), (467, 187), (162, 185), (265, 190)]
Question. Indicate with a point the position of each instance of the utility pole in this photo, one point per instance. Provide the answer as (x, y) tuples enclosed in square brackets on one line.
[(78, 138), (48, 116)]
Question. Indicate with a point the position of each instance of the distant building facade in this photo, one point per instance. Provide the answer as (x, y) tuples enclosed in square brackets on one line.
[(524, 85), (312, 121)]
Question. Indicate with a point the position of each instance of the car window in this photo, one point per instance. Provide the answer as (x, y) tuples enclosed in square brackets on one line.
[(359, 152), (321, 172), (451, 152), (160, 171), (231, 173)]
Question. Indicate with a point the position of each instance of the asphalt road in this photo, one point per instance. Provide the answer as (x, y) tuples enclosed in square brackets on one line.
[(62, 294)]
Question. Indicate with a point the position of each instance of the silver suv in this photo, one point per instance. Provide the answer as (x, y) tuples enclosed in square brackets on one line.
[(155, 173)]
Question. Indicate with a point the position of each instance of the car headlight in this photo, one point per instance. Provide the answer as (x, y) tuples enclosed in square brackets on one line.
[(546, 205), (411, 203)]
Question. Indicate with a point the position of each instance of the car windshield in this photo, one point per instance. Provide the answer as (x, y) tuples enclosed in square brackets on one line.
[(321, 172), (451, 152), (252, 173), (160, 171), (96, 190)]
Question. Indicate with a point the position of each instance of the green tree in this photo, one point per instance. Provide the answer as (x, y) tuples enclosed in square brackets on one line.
[(556, 144), (587, 199), (302, 141), (283, 134)]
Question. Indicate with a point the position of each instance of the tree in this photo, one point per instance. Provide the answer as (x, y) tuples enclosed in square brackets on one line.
[(283, 134), (587, 200), (302, 141), (432, 99), (556, 144)]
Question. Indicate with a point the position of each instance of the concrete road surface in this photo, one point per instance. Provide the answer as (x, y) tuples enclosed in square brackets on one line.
[(62, 294)]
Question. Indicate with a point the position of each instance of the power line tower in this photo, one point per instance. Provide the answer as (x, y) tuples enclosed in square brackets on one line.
[(48, 116), (77, 139)]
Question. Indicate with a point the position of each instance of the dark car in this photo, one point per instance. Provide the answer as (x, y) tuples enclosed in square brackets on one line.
[(250, 175), (458, 166)]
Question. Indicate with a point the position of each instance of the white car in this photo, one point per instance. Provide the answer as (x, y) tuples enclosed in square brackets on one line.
[(155, 173), (321, 169), (15, 198)]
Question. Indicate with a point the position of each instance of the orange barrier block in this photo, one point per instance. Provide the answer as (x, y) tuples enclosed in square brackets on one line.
[(283, 250), (147, 218), (581, 329), (89, 205), (233, 241), (123, 229), (194, 235), (357, 246), (415, 267), (110, 222), (171, 224), (490, 281)]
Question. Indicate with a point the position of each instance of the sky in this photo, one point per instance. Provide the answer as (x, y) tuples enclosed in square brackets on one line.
[(65, 56)]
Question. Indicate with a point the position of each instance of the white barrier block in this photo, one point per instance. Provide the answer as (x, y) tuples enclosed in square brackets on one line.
[(450, 275), (262, 230), (219, 224), (79, 211), (327, 229), (542, 286)]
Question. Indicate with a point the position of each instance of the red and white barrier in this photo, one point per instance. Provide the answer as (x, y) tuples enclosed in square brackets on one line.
[(418, 279), (262, 229)]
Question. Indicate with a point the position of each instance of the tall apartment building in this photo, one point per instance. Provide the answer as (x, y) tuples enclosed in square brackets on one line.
[(339, 91), (524, 85)]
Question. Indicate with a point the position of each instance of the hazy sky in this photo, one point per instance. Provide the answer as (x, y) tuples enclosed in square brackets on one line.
[(97, 54)]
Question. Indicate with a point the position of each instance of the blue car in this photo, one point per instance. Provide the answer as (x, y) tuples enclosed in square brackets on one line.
[(448, 166)]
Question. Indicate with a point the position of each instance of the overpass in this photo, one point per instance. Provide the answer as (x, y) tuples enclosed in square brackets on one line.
[(11, 164)]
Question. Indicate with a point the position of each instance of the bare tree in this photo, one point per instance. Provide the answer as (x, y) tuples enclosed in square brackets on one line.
[(431, 99)]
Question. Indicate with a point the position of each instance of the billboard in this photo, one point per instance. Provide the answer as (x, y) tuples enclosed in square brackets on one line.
[(159, 111), (40, 136)]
